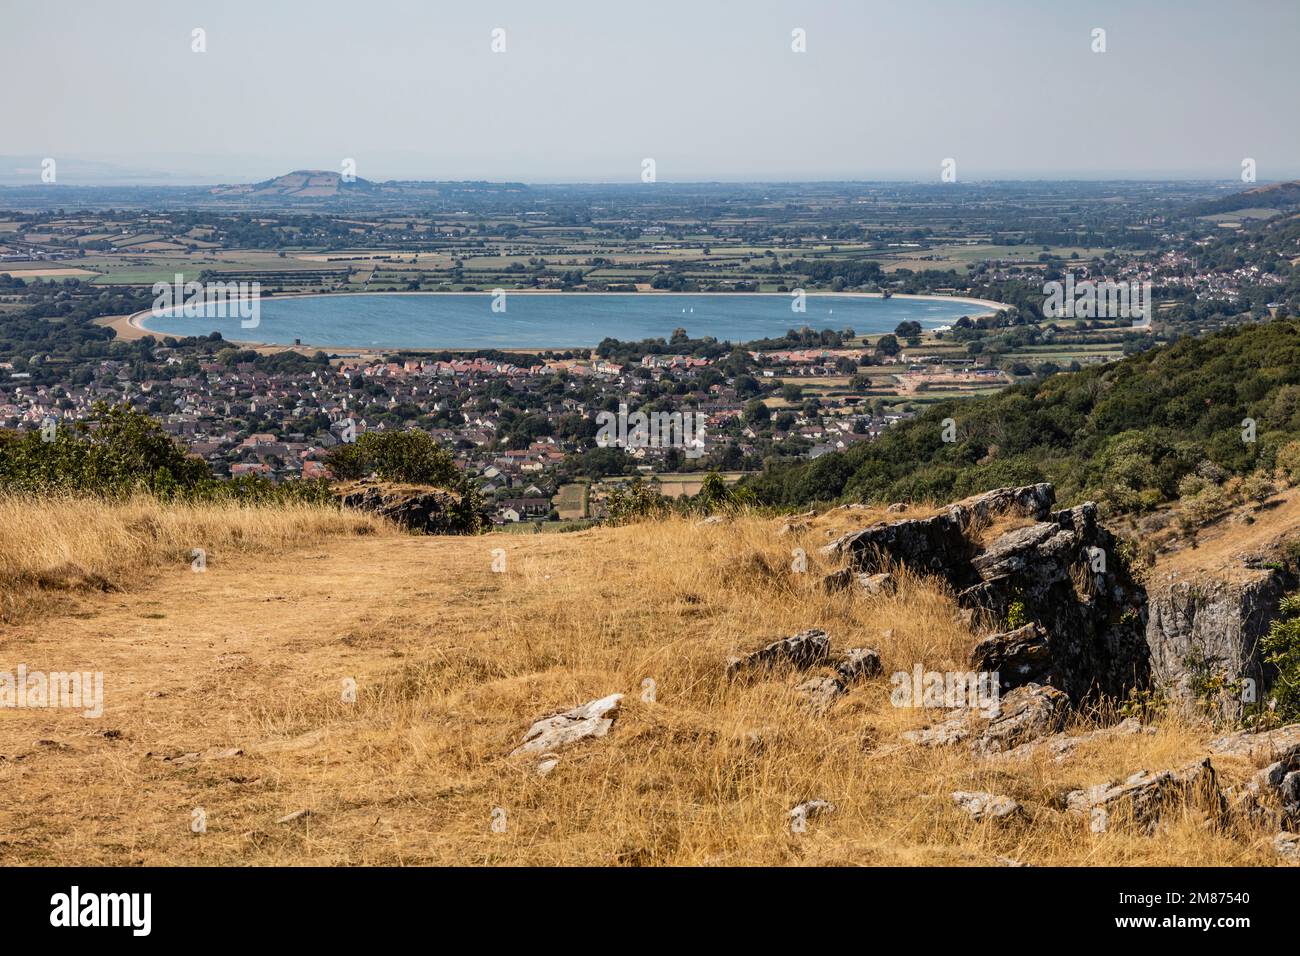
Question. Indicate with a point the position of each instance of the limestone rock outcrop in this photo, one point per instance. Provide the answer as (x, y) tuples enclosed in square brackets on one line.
[(801, 650), (1146, 797), (1062, 572), (592, 719), (1212, 628), (1026, 714), (413, 507), (986, 806)]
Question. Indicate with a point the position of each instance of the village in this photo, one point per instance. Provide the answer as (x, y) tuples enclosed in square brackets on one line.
[(526, 431)]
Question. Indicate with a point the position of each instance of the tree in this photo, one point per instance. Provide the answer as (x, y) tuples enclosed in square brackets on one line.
[(1281, 648), (756, 412), (407, 456), (118, 450)]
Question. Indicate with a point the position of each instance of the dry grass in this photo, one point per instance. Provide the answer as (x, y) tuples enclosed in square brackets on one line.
[(1220, 546), (51, 548), (452, 662)]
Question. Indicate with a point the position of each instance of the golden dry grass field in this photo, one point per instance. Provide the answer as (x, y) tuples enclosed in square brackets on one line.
[(224, 700)]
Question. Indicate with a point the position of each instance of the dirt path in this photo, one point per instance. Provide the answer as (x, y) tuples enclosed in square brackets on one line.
[(250, 657)]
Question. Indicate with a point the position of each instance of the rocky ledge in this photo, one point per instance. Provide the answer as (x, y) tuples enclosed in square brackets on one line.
[(416, 508), (1056, 589)]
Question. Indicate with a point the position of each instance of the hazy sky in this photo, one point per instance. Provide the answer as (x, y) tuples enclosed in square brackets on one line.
[(710, 89)]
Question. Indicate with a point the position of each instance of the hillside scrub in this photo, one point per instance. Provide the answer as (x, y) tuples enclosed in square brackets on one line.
[(118, 452), (1124, 434)]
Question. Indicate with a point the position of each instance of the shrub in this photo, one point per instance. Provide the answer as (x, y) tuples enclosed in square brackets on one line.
[(635, 502), (1288, 461), (118, 452), (1205, 506), (1257, 488), (1016, 616), (1211, 472), (638, 500), (1281, 648), (410, 456)]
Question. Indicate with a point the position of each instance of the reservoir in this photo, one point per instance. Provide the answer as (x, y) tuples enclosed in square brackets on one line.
[(532, 320)]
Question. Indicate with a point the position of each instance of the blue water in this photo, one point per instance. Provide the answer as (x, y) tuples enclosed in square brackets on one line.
[(554, 321)]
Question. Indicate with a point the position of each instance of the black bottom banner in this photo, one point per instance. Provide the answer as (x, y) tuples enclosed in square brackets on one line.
[(335, 905)]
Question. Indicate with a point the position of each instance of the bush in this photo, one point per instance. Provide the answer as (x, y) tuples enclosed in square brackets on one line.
[(1288, 461), (1206, 505), (1281, 648), (638, 501), (1257, 488), (118, 452), (412, 456)]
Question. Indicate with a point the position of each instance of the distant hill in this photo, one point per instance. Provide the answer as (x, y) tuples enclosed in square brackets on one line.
[(323, 188), (1272, 196), (299, 184)]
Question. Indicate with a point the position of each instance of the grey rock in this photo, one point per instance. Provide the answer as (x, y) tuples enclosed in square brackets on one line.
[(1266, 745), (805, 649), (810, 810), (961, 726), (1143, 798), (1289, 793), (592, 719), (1273, 776), (858, 663), (839, 580), (213, 753), (1094, 642), (548, 763), (1018, 657), (1060, 746), (925, 545), (877, 584), (415, 508), (1027, 713), (1287, 846), (1032, 501), (986, 806), (872, 585), (1219, 622), (820, 693), (1021, 549)]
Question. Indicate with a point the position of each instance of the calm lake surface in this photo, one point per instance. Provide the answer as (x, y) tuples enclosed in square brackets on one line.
[(441, 321)]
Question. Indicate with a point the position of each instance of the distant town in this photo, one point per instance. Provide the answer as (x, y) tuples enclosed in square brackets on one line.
[(524, 423)]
